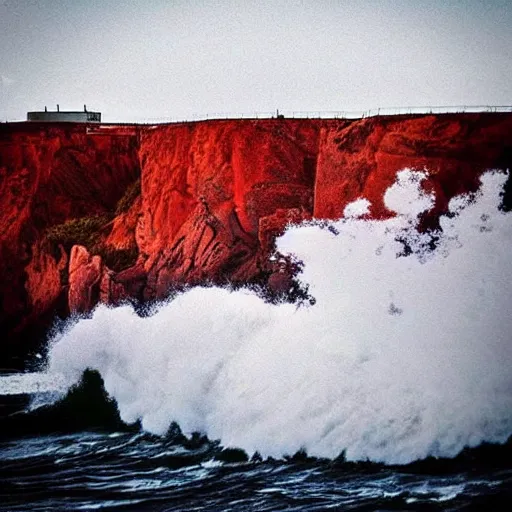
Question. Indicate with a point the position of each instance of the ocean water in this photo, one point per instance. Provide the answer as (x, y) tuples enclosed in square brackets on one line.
[(389, 389)]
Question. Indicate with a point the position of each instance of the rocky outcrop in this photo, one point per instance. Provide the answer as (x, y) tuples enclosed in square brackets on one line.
[(116, 213), (49, 175)]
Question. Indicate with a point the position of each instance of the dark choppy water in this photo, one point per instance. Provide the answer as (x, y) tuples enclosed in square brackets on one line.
[(91, 470), (76, 455)]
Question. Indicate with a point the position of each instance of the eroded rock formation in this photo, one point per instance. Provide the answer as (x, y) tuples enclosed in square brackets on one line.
[(113, 213)]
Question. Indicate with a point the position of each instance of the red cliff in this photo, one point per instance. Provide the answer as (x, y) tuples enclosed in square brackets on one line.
[(108, 214)]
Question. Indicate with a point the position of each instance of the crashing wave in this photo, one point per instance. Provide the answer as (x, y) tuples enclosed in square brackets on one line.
[(405, 354)]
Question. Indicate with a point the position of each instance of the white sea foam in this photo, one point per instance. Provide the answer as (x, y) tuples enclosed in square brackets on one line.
[(31, 383), (400, 357)]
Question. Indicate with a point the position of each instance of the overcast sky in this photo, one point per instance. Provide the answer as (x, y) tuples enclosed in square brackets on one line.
[(157, 59)]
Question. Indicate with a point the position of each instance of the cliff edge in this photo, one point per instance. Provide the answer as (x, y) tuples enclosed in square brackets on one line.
[(115, 213)]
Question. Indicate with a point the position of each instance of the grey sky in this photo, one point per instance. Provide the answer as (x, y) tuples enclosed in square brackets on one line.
[(137, 60)]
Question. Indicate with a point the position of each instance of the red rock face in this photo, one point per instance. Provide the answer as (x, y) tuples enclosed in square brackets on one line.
[(363, 158), (77, 229), (50, 174), (207, 189)]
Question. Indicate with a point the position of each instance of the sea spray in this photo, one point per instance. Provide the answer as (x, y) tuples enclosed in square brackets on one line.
[(406, 352)]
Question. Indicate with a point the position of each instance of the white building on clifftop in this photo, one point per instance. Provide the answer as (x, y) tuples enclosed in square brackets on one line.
[(60, 116)]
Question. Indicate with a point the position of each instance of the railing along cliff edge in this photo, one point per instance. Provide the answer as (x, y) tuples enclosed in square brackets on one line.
[(331, 114)]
